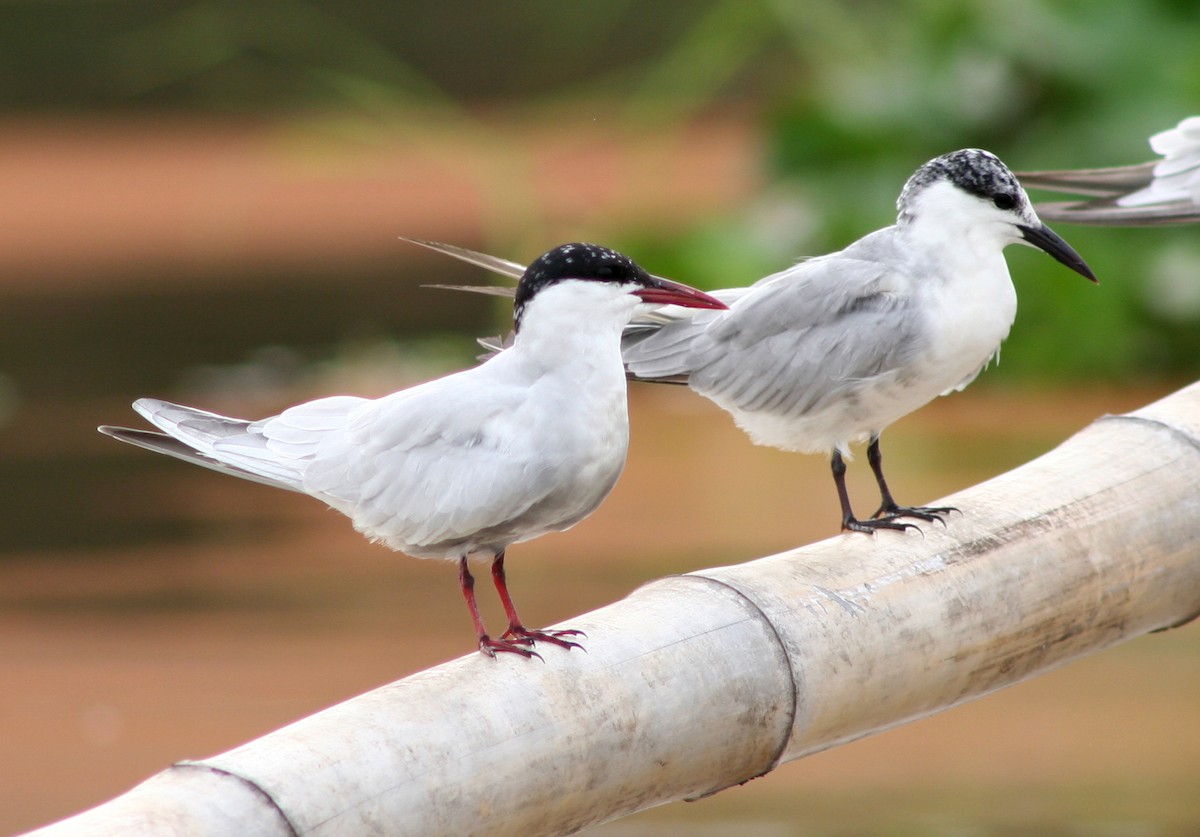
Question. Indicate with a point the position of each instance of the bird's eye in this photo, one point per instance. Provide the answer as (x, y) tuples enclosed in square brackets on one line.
[(1004, 200), (605, 271)]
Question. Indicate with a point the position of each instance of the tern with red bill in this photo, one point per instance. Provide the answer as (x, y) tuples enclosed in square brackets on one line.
[(527, 443)]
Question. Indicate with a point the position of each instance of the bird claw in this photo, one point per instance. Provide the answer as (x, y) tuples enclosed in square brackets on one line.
[(520, 635), (930, 514), (873, 525), (491, 647)]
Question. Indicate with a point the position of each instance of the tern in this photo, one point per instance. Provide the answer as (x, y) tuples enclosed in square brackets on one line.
[(527, 443), (834, 349), (1157, 193)]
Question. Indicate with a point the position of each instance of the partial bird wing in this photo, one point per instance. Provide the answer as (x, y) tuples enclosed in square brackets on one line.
[(437, 463), (791, 344), (1100, 183), (504, 267), (506, 291), (228, 445), (162, 443), (494, 344), (1109, 214), (1157, 193), (429, 465), (493, 263)]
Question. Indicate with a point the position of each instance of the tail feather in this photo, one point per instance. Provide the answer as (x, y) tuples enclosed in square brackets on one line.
[(162, 443), (198, 429), (231, 446)]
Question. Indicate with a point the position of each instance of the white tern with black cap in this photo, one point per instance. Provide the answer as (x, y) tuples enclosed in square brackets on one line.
[(527, 443)]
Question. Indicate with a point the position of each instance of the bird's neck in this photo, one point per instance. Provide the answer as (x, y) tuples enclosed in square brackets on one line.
[(968, 296), (944, 226), (580, 328), (958, 248)]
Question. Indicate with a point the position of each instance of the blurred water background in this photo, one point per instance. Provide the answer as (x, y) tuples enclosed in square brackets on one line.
[(201, 201)]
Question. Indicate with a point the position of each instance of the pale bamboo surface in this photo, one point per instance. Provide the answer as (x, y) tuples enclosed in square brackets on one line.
[(696, 683)]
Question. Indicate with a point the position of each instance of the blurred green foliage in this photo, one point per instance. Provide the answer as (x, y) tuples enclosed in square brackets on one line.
[(854, 95)]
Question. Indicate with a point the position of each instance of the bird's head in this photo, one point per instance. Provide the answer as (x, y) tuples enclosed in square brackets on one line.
[(971, 191), (593, 266)]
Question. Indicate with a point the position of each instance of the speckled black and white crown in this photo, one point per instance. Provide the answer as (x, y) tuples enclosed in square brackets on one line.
[(574, 261), (973, 170)]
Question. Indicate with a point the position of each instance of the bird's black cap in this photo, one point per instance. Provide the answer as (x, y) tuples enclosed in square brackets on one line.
[(575, 261), (973, 170)]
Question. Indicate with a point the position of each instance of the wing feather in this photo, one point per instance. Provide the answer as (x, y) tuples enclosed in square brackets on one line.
[(406, 469), (786, 348)]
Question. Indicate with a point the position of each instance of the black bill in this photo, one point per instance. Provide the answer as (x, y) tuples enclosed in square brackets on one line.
[(1047, 239)]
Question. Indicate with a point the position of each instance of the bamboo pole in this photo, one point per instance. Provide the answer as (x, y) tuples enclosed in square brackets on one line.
[(696, 683)]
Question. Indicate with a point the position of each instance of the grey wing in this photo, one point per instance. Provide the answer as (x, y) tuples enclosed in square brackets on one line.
[(658, 344), (803, 337), (433, 465)]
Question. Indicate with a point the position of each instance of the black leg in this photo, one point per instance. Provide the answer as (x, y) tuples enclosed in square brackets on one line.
[(888, 509), (849, 522)]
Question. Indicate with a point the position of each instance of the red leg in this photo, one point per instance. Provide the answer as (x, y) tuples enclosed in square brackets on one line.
[(517, 631), (487, 645)]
